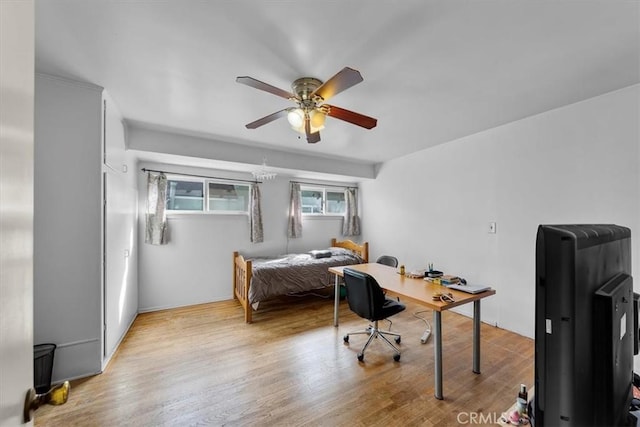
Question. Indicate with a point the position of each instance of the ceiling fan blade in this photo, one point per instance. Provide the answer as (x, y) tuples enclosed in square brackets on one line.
[(312, 138), (343, 80), (267, 119), (352, 117), (257, 84)]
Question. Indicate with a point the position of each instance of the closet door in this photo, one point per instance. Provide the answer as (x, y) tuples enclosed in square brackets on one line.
[(117, 259), (120, 294), (16, 207)]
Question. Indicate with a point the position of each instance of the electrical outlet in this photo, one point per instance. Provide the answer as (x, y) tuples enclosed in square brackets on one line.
[(492, 227)]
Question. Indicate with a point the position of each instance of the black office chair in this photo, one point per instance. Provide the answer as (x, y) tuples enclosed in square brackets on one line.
[(388, 260), (366, 299)]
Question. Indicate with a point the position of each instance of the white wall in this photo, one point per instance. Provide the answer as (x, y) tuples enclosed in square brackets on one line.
[(166, 142), (196, 266), (576, 164)]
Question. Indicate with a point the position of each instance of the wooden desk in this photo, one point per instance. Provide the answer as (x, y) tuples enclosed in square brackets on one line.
[(422, 292)]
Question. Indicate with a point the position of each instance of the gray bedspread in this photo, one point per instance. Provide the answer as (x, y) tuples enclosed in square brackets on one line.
[(295, 273)]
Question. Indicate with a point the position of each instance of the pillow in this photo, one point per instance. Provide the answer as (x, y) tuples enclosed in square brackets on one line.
[(325, 253)]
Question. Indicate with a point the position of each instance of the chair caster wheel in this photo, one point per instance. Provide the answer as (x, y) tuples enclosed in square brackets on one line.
[(360, 357), (396, 357), (346, 338), (398, 339)]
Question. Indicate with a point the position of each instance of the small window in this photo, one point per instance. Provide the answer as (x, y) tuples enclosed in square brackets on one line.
[(335, 202), (228, 197), (185, 195), (203, 195), (312, 201), (322, 201)]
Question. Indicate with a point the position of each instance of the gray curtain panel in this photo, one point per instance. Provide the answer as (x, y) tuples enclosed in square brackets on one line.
[(156, 219), (255, 215), (351, 223), (294, 227)]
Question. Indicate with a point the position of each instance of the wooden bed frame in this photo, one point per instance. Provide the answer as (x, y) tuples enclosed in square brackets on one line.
[(242, 272)]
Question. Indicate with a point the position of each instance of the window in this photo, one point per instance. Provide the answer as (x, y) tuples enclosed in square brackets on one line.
[(228, 197), (203, 195), (335, 202), (185, 195), (321, 201)]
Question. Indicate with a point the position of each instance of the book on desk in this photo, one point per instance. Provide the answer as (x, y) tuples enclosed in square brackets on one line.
[(448, 279)]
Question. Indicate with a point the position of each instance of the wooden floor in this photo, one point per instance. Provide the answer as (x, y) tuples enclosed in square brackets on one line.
[(203, 365)]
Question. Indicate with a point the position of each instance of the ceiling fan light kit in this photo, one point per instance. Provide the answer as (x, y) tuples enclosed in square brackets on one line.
[(297, 117), (309, 93)]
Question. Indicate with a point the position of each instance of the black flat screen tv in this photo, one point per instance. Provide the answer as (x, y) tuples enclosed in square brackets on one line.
[(584, 326)]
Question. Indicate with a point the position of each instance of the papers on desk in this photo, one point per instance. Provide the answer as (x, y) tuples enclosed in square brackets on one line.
[(470, 289), (416, 273)]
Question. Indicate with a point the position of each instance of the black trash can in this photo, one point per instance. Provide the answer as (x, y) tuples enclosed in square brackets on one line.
[(43, 366)]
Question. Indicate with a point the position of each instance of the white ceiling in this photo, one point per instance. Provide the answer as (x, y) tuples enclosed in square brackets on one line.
[(434, 71)]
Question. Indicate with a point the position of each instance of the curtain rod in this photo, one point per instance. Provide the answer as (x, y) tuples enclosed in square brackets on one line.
[(324, 185), (201, 176)]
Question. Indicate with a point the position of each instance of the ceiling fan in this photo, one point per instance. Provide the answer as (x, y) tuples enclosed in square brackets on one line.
[(310, 94)]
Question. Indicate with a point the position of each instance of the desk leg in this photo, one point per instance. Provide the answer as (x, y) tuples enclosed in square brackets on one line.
[(476, 336), (336, 301), (437, 346)]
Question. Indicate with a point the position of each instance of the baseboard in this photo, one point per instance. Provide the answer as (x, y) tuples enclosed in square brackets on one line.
[(107, 359), (169, 307), (77, 359)]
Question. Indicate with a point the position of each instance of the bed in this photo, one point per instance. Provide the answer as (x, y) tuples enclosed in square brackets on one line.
[(259, 279)]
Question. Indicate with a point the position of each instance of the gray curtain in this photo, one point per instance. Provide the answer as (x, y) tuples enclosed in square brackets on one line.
[(255, 215), (351, 223), (294, 227), (156, 219)]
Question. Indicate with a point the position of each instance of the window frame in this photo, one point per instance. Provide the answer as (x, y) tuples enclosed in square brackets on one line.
[(205, 195), (324, 190)]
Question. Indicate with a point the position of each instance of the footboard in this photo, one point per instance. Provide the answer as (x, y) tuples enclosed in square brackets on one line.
[(241, 282)]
